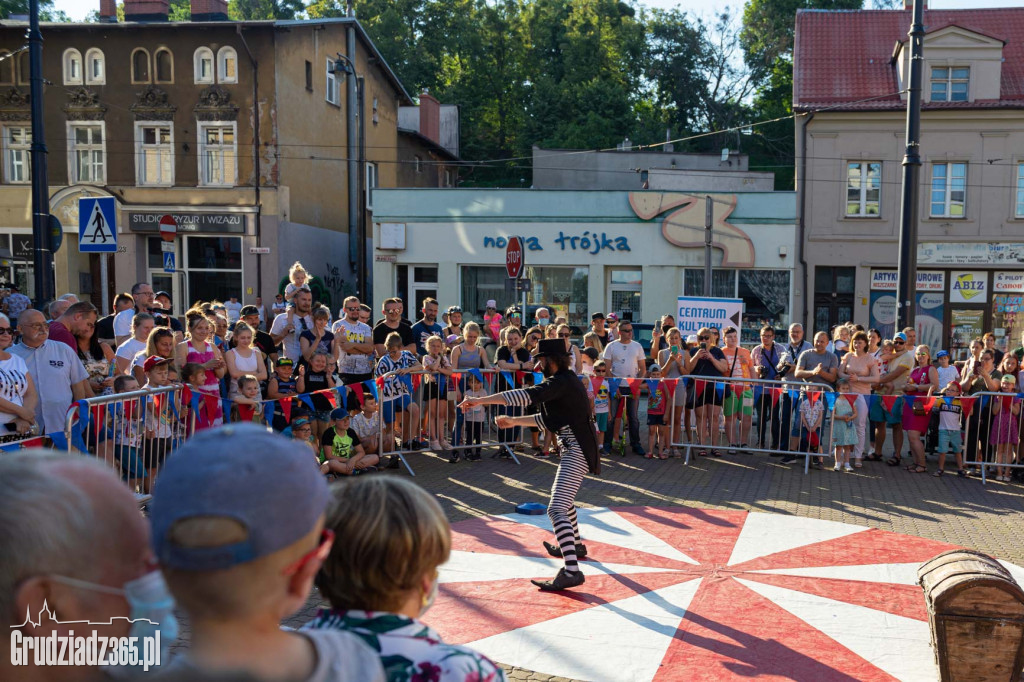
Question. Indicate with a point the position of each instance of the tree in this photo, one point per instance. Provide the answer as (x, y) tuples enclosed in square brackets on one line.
[(255, 10), (768, 27), (47, 12)]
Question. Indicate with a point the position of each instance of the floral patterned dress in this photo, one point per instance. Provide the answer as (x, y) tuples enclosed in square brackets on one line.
[(409, 650)]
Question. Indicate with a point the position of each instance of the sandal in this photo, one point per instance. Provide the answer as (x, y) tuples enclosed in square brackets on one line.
[(917, 469), (716, 453), (677, 453), (649, 455), (702, 453), (894, 461), (873, 458), (663, 455), (939, 473)]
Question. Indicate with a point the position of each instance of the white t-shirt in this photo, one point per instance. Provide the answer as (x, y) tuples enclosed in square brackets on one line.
[(290, 344), (130, 348), (234, 311), (123, 322), (946, 375), (625, 358), (13, 384), (366, 427), (358, 332)]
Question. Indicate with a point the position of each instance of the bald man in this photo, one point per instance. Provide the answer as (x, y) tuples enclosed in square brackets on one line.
[(72, 538)]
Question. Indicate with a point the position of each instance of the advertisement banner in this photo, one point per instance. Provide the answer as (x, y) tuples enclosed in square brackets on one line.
[(886, 280), (1008, 282), (968, 287), (696, 312), (883, 313), (976, 253), (928, 320)]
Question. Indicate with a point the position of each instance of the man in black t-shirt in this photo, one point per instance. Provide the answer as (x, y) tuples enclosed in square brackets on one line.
[(105, 325), (597, 326), (393, 322)]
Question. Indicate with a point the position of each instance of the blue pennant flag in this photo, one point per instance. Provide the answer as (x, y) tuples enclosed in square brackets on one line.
[(407, 380), (538, 377), (948, 400), (983, 402), (174, 405), (830, 400), (306, 400), (143, 404), (83, 413), (758, 392), (478, 375), (11, 447), (719, 389), (372, 386), (652, 385), (60, 442), (686, 382), (870, 399), (793, 394), (613, 385), (268, 411), (507, 376), (194, 402)]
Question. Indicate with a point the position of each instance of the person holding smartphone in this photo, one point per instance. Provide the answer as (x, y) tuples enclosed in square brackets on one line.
[(707, 364), (673, 361)]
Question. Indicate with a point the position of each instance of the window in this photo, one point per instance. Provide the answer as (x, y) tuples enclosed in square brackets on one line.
[(227, 65), (7, 69), (833, 297), (1020, 191), (371, 184), (565, 290), (625, 289), (417, 163), (723, 282), (333, 92), (765, 295), (155, 154), (448, 178), (203, 65), (863, 188), (86, 153), (217, 154), (95, 68), (16, 143), (950, 84), (72, 67), (140, 66), (309, 75), (164, 62), (949, 190), (24, 69)]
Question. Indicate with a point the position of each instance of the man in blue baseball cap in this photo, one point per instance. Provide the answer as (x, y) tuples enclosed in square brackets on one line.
[(238, 528)]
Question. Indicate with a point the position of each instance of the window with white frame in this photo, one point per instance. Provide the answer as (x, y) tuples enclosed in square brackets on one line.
[(203, 64), (949, 190), (950, 84), (17, 140), (863, 188), (154, 158), (1020, 191), (72, 67), (371, 184), (86, 153), (333, 91), (164, 66), (95, 67), (417, 163), (227, 65), (217, 154)]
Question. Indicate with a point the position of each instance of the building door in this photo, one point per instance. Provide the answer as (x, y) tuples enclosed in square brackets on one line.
[(966, 322), (833, 297), (624, 293), (415, 284)]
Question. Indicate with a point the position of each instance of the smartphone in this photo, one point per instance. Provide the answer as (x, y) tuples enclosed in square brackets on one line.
[(703, 346), (675, 350)]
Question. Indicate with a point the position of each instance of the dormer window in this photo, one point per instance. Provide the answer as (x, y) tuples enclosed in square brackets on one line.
[(950, 84)]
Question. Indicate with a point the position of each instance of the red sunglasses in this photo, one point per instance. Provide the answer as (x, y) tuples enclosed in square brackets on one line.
[(319, 552)]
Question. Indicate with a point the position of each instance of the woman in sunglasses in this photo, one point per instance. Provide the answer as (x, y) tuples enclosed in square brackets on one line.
[(706, 365)]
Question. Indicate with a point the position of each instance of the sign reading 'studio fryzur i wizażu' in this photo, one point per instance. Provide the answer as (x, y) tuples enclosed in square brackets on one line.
[(231, 223)]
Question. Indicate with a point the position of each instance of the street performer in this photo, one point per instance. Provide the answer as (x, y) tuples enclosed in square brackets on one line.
[(564, 411)]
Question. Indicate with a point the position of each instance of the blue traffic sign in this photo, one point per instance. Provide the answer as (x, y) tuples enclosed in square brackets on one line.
[(97, 225), (169, 261)]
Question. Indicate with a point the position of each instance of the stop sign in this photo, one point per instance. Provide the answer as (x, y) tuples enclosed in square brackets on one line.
[(168, 227), (514, 257)]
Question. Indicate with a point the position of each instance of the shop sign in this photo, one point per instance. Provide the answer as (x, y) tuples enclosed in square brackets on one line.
[(1008, 282), (589, 242), (968, 287), (1007, 305), (887, 280), (229, 223), (22, 247), (695, 312), (976, 253)]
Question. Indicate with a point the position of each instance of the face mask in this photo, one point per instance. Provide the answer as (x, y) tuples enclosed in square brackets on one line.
[(543, 321), (428, 601), (152, 610)]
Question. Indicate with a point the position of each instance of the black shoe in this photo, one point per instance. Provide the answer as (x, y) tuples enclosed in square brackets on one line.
[(639, 451), (473, 458), (556, 551), (563, 581), (394, 462), (788, 459), (454, 459)]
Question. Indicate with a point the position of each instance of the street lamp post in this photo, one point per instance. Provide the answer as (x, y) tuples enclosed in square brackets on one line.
[(42, 256), (907, 266), (344, 67)]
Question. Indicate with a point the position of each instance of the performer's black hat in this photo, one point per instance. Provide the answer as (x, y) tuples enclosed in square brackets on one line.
[(551, 348)]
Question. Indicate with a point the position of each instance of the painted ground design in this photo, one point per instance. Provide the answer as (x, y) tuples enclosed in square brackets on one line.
[(676, 593)]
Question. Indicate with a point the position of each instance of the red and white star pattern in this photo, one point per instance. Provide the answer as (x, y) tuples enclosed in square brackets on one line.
[(678, 593)]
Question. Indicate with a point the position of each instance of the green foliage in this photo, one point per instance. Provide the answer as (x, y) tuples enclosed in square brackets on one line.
[(180, 10), (768, 28), (46, 10), (255, 10)]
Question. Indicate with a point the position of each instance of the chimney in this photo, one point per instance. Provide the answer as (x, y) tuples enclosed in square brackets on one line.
[(145, 10), (108, 11), (909, 4), (209, 10), (430, 117)]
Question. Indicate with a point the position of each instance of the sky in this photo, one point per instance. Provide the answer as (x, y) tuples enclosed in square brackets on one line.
[(77, 9)]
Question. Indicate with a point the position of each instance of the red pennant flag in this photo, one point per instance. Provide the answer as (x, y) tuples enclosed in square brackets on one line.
[(416, 382), (520, 375), (927, 403), (812, 396), (698, 385), (186, 395), (32, 443), (358, 388), (670, 386), (776, 394), (634, 387), (99, 414), (738, 389), (286, 409), (246, 412), (595, 383), (850, 398), (889, 401), (380, 383), (158, 402), (1005, 401), (332, 397), (967, 404)]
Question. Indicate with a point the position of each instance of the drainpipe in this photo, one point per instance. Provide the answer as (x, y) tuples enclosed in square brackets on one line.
[(255, 155), (355, 234), (362, 275), (803, 225)]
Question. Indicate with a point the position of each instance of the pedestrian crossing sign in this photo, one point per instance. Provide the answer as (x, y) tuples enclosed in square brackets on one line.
[(97, 225), (168, 261)]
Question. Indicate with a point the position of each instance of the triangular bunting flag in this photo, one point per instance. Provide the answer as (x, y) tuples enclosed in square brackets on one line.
[(984, 402), (793, 394), (477, 374), (850, 398), (507, 377), (1005, 401), (613, 385), (10, 447), (758, 392), (812, 397), (306, 400), (520, 375), (720, 390), (286, 409), (158, 403), (538, 377), (830, 400), (699, 385), (652, 385), (416, 378), (268, 411), (889, 401), (927, 402), (634, 386), (966, 405), (372, 386), (332, 397), (60, 442), (246, 412), (358, 390), (595, 383), (670, 386), (738, 389)]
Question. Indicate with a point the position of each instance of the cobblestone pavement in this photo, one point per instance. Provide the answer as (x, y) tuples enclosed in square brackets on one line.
[(951, 509)]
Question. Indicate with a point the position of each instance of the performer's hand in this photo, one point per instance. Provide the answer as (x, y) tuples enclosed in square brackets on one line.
[(467, 404), (503, 422)]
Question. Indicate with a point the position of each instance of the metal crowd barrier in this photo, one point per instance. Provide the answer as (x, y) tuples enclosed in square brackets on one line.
[(467, 434), (133, 432), (991, 431)]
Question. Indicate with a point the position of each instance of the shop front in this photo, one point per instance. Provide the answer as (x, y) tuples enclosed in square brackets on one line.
[(632, 253)]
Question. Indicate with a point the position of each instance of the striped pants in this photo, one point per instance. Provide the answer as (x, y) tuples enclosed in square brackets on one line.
[(562, 507)]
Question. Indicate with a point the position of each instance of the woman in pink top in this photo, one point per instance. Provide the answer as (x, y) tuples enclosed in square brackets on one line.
[(860, 368), (492, 320), (197, 348)]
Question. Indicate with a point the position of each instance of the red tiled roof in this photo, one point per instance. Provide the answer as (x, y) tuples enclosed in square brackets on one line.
[(844, 56)]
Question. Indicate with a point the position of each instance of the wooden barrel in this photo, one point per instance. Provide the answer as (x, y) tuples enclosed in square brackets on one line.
[(976, 612)]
